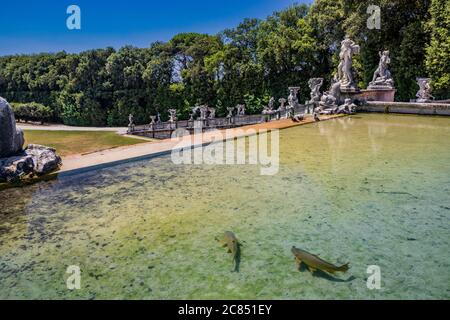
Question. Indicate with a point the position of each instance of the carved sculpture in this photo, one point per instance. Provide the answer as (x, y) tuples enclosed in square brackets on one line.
[(382, 77), (230, 112), (424, 93), (346, 74), (131, 125), (240, 109), (314, 85), (152, 122), (269, 109), (203, 112), (212, 113), (347, 108), (292, 99), (271, 103), (172, 115), (330, 99), (282, 102)]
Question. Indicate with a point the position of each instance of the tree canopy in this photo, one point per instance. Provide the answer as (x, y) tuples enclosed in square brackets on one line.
[(247, 64)]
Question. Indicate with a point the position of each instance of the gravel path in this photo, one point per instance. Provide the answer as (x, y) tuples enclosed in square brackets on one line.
[(61, 127)]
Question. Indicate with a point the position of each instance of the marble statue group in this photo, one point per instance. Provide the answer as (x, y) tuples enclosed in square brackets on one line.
[(341, 97)]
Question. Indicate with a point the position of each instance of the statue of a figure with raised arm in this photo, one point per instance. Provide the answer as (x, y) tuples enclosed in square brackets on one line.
[(345, 69)]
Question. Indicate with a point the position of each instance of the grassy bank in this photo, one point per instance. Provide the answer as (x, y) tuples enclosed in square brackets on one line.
[(75, 142)]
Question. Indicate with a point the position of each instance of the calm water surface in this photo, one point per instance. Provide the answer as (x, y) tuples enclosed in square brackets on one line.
[(367, 189)]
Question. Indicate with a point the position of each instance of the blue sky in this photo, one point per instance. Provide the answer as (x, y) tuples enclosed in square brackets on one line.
[(33, 26)]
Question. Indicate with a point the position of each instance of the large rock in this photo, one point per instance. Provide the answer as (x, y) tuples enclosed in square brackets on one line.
[(16, 167), (11, 138), (16, 164), (36, 160), (44, 158)]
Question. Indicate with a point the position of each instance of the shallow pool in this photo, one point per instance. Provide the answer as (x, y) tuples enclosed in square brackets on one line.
[(367, 189)]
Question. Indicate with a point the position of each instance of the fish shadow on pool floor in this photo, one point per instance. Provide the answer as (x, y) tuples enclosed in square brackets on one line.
[(237, 259), (324, 275)]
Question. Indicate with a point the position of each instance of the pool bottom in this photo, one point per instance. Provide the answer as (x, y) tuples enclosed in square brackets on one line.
[(146, 230)]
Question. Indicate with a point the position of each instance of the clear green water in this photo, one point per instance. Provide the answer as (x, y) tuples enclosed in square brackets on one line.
[(357, 189)]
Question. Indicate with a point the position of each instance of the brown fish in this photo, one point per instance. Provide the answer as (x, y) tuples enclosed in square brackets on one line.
[(314, 263), (230, 241)]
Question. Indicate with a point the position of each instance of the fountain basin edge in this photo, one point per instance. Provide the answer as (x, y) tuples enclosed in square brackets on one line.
[(440, 109)]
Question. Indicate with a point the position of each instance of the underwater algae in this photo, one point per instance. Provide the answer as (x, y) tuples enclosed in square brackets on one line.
[(367, 189)]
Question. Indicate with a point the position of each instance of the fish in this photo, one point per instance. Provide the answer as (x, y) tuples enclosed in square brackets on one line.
[(230, 241), (315, 263)]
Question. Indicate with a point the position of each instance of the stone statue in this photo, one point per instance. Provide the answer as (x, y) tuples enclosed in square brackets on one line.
[(172, 115), (315, 84), (347, 108), (212, 113), (330, 98), (345, 69), (271, 103), (195, 113), (11, 138), (424, 93), (292, 99), (240, 109), (203, 112), (131, 125), (158, 118), (268, 110), (382, 76), (282, 102), (230, 112), (152, 122), (298, 118)]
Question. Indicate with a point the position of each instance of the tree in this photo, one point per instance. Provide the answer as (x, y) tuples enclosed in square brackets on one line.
[(438, 52), (249, 63), (286, 50)]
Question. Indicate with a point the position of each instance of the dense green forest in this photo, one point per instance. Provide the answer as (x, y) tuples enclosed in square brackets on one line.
[(250, 63)]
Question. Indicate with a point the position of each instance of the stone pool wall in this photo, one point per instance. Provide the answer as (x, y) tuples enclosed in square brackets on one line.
[(406, 108)]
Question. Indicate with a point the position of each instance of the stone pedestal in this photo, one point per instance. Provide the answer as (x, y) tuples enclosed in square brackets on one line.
[(384, 94)]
